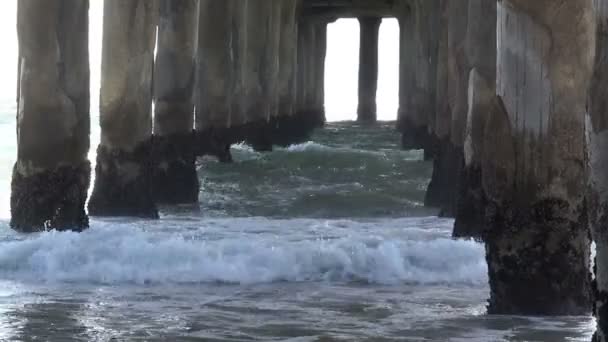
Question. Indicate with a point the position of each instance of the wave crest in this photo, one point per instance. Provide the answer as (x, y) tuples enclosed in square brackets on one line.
[(116, 256)]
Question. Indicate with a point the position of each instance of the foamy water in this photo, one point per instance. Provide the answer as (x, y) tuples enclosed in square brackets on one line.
[(322, 241), (119, 255)]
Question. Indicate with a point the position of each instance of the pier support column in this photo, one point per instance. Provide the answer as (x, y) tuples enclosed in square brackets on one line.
[(288, 58), (410, 124), (259, 73), (288, 127), (319, 56), (533, 164), (428, 29), (368, 69), (450, 123), (312, 50), (419, 30), (124, 172), (597, 156), (417, 68), (304, 70), (481, 56), (441, 189), (219, 91), (274, 51), (176, 180), (51, 176)]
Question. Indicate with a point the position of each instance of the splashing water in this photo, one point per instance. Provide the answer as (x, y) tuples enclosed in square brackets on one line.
[(322, 241)]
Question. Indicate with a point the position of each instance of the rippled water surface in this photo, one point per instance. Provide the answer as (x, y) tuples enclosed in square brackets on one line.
[(324, 241)]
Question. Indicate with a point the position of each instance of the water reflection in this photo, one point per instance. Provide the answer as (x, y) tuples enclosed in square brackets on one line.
[(46, 321)]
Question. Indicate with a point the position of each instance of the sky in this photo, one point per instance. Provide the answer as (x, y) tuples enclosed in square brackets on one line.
[(8, 55), (342, 69)]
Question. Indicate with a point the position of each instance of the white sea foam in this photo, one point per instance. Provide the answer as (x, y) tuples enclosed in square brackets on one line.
[(309, 146), (312, 146), (242, 147), (119, 256)]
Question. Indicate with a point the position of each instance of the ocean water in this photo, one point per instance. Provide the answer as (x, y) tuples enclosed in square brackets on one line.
[(323, 241)]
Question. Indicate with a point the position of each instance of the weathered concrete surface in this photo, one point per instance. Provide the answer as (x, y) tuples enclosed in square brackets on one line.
[(247, 76), (124, 172), (288, 57), (448, 158), (597, 156), (419, 25), (331, 9), (274, 40), (289, 126), (480, 48), (417, 115), (458, 69), (471, 199), (260, 68), (368, 69), (428, 30), (176, 180), (312, 49), (442, 116), (216, 72), (220, 85), (410, 123), (319, 56), (440, 131), (310, 76), (533, 162), (51, 176), (457, 85), (304, 71)]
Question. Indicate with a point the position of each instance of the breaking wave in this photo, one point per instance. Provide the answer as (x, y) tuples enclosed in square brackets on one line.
[(119, 256), (317, 180)]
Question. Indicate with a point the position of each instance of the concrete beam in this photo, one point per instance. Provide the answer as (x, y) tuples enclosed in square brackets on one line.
[(480, 51), (216, 73), (533, 169), (288, 57), (368, 69), (330, 9), (289, 127), (451, 154), (597, 157), (458, 69), (442, 122), (408, 123), (260, 71), (319, 56), (448, 157), (51, 175), (305, 67), (220, 88), (274, 40), (419, 26), (124, 172), (176, 180), (312, 49), (423, 99)]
